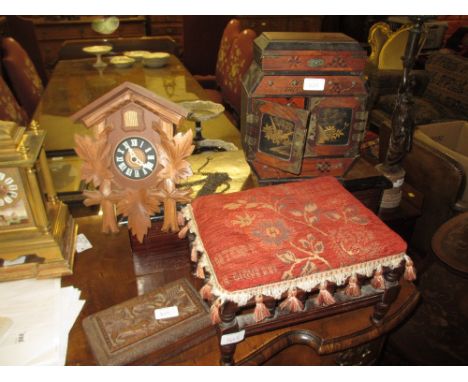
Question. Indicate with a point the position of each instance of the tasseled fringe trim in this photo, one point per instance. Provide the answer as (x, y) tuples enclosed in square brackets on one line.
[(410, 271), (292, 303), (194, 255), (353, 289), (214, 312), (378, 281), (261, 311), (324, 297), (180, 219), (205, 292), (183, 232), (277, 289), (200, 273)]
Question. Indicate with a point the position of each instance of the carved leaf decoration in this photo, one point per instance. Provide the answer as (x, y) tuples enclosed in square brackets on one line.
[(93, 198), (287, 257), (177, 149), (138, 206), (167, 190), (170, 194), (96, 158)]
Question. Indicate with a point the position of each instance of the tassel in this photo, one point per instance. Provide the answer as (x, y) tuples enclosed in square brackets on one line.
[(325, 297), (194, 255), (353, 288), (205, 292), (200, 272), (410, 271), (214, 312), (292, 303), (261, 311), (180, 219), (183, 232), (378, 281)]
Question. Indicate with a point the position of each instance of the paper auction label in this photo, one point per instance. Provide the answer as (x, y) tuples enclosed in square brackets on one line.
[(232, 338), (163, 313), (314, 84), (82, 243)]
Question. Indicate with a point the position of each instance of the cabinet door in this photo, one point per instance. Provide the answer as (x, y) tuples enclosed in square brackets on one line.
[(335, 126), (282, 134)]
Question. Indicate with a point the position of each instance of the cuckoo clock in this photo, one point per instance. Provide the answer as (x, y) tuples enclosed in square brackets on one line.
[(133, 158), (37, 232), (303, 105)]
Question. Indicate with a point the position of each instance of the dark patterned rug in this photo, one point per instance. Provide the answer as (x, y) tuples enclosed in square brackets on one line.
[(437, 332)]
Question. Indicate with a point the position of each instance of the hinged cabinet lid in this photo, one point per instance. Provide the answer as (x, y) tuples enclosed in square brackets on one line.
[(309, 52)]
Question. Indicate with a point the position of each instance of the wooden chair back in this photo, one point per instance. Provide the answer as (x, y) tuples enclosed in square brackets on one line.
[(73, 49), (238, 61), (23, 31), (233, 28), (22, 75), (10, 110)]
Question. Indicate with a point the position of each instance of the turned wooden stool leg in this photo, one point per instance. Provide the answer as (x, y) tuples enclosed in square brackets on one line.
[(392, 289), (228, 325)]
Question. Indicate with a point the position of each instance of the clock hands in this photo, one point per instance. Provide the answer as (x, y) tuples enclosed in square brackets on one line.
[(134, 158)]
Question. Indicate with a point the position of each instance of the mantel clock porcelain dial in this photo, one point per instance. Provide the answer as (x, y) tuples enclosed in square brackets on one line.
[(135, 158), (8, 190)]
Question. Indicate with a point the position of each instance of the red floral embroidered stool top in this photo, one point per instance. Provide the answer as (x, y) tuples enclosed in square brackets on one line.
[(265, 241)]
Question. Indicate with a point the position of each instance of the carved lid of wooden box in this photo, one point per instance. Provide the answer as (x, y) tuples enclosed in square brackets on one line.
[(129, 333)]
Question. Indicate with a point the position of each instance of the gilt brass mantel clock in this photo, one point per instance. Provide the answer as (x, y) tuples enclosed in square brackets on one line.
[(37, 233)]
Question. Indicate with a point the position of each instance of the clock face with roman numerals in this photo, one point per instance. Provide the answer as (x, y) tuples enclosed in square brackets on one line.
[(8, 190), (135, 158)]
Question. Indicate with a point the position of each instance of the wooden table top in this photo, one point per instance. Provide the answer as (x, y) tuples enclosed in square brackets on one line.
[(76, 83), (108, 274)]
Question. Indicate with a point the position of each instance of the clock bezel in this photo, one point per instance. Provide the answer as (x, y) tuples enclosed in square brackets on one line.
[(139, 149), (23, 192)]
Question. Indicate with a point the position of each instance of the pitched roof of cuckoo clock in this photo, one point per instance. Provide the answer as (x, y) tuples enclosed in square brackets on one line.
[(123, 94)]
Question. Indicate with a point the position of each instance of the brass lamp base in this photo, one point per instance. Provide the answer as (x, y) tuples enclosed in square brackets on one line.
[(391, 198)]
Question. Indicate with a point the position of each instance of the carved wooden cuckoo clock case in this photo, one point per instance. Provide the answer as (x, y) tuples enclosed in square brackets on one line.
[(133, 158)]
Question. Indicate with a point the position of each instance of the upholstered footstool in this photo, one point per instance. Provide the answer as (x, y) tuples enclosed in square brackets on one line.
[(280, 255)]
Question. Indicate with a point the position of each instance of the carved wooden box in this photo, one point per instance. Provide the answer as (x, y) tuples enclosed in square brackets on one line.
[(303, 105), (129, 334)]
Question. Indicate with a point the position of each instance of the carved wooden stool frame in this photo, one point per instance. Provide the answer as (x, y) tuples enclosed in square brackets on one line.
[(234, 318)]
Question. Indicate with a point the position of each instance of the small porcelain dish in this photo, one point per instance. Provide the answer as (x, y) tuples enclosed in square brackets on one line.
[(156, 59), (122, 61), (97, 49), (136, 54)]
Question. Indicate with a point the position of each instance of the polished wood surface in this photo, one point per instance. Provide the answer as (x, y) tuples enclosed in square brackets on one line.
[(76, 83), (108, 274)]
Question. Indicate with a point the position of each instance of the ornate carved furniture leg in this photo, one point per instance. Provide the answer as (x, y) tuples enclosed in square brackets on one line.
[(228, 325), (392, 289)]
